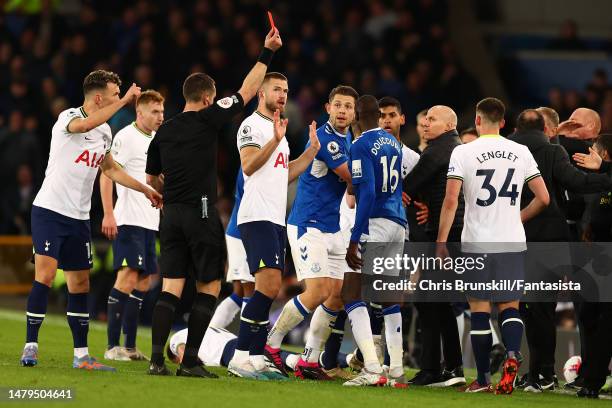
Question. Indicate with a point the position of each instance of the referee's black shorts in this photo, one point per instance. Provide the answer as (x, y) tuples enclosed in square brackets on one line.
[(191, 245)]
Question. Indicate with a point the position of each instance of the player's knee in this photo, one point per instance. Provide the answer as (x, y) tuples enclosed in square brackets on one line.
[(77, 282), (143, 284)]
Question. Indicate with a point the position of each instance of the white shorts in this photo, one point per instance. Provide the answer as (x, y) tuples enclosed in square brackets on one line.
[(237, 266), (385, 240), (317, 254)]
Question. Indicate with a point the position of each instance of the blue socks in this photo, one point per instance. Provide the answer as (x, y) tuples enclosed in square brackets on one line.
[(254, 324), (482, 342), (332, 347), (115, 308), (131, 317), (511, 327), (78, 318), (36, 310)]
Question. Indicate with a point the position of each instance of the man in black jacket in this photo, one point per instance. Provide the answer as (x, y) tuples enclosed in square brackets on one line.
[(428, 179), (549, 226)]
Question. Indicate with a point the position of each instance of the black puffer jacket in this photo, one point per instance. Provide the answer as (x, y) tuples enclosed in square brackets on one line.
[(428, 178), (559, 175)]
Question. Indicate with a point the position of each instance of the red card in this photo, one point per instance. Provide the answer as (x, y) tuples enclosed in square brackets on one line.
[(271, 20)]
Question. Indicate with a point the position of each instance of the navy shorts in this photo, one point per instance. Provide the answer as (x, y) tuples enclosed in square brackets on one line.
[(265, 244), (134, 247), (505, 269), (65, 239)]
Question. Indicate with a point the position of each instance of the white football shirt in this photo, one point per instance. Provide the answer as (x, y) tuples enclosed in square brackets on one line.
[(265, 191), (211, 349), (73, 164), (130, 147), (493, 170), (410, 158)]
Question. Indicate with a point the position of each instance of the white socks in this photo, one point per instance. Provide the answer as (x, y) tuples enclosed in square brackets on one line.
[(226, 311), (81, 352), (360, 324), (293, 313), (393, 338), (321, 326)]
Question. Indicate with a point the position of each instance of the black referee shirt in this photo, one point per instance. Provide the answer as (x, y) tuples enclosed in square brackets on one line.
[(184, 150)]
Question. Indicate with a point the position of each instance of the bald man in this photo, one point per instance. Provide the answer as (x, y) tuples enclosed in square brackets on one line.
[(428, 179)]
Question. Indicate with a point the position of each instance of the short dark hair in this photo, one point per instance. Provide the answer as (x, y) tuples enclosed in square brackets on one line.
[(469, 131), (367, 108), (343, 90), (98, 80), (605, 142), (274, 75), (387, 101), (197, 84), (421, 113), (491, 109), (530, 119)]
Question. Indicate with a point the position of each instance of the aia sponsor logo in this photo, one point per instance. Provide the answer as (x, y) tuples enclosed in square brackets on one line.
[(90, 160), (282, 160)]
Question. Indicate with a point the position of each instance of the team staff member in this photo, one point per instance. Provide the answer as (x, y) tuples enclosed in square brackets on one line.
[(428, 179), (548, 226), (182, 161)]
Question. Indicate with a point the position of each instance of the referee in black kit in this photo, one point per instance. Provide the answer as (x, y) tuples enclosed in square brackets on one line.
[(182, 161)]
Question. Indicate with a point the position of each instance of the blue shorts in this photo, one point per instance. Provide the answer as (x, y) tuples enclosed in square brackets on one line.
[(65, 239), (265, 245), (134, 247), (504, 268)]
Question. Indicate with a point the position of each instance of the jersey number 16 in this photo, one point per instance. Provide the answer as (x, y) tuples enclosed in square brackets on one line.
[(393, 179)]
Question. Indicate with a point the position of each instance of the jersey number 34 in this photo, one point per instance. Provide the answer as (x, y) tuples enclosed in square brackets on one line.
[(507, 190)]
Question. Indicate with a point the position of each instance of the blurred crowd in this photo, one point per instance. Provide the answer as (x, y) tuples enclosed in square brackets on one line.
[(398, 48)]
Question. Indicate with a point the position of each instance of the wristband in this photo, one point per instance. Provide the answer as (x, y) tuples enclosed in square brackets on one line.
[(265, 57)]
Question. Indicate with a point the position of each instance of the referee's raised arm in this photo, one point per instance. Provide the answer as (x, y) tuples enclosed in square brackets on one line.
[(252, 82)]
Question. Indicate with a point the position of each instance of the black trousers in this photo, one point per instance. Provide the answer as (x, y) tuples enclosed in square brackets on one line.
[(596, 321), (541, 333), (437, 321)]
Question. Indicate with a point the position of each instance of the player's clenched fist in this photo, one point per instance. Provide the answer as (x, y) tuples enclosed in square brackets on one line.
[(132, 93), (273, 40)]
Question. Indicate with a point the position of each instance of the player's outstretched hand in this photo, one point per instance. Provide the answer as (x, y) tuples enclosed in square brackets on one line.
[(154, 197), (352, 256), (314, 139), (109, 226), (273, 40), (422, 214), (591, 161), (280, 126), (568, 126), (132, 93)]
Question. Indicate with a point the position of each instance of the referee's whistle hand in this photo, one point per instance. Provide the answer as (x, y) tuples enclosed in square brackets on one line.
[(154, 197), (273, 40)]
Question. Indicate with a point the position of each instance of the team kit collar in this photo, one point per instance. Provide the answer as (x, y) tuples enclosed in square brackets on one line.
[(376, 129), (264, 116), (330, 128), (140, 130), (491, 136)]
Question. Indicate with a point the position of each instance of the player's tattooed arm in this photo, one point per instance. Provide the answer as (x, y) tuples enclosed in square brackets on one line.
[(113, 171), (539, 202), (297, 166), (95, 119), (253, 80)]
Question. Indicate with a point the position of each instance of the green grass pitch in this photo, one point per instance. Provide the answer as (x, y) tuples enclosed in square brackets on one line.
[(131, 387)]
